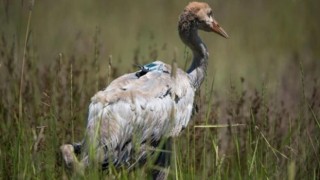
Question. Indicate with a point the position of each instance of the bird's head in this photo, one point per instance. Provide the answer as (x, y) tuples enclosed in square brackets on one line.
[(201, 16)]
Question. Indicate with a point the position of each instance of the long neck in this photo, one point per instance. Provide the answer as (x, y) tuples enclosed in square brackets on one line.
[(189, 35)]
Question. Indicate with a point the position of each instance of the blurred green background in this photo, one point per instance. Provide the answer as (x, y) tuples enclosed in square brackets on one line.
[(264, 35), (266, 78)]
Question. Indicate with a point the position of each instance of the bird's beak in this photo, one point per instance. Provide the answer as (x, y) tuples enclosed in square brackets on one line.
[(219, 30)]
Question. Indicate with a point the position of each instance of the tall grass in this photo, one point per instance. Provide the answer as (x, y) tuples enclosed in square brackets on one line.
[(248, 127)]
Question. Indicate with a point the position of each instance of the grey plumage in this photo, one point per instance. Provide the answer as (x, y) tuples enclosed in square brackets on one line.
[(141, 108)]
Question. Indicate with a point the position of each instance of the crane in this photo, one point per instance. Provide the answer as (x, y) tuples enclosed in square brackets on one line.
[(138, 110)]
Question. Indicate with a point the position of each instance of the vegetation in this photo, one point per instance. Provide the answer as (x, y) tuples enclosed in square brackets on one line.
[(256, 116)]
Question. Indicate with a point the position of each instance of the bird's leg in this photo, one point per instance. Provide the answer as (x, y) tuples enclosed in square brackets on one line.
[(163, 162)]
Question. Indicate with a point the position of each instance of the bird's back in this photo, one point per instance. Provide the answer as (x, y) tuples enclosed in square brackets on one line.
[(140, 108)]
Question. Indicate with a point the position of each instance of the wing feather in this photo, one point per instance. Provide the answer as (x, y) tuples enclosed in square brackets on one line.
[(141, 107)]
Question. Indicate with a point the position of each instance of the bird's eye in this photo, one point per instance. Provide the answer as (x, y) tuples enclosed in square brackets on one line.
[(210, 13)]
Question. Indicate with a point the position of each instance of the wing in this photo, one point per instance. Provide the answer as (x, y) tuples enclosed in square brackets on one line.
[(152, 105)]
